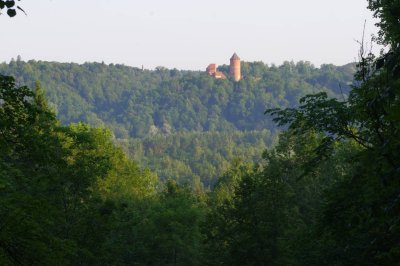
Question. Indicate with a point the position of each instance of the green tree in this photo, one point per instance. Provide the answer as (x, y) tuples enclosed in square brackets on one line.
[(359, 223), (160, 230), (60, 185)]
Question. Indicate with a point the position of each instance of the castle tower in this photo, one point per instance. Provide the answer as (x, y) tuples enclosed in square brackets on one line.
[(235, 67)]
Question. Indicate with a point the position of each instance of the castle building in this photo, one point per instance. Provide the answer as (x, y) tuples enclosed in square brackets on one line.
[(212, 71), (234, 67)]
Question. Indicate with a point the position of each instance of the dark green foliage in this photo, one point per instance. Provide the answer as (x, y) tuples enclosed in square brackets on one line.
[(359, 222), (174, 228), (387, 11), (10, 6), (163, 229), (266, 214)]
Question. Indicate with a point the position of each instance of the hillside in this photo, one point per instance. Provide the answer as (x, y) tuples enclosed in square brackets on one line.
[(135, 103), (162, 105)]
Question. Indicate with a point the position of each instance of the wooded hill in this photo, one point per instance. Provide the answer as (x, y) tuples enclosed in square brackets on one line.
[(162, 116), (136, 103)]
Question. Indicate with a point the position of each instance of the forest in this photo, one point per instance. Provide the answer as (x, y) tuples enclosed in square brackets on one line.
[(184, 125), (293, 165), (136, 103)]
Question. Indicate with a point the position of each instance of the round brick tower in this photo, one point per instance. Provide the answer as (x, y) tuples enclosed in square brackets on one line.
[(235, 67)]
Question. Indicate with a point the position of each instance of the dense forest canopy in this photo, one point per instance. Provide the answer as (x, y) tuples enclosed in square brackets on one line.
[(184, 125), (327, 193), (137, 103)]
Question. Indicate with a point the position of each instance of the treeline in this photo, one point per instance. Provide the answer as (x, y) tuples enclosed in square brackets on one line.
[(136, 103)]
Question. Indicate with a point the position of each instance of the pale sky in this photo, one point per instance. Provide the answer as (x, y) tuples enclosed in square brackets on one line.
[(186, 34)]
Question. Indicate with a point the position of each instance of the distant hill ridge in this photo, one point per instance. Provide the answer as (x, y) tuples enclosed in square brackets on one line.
[(140, 103)]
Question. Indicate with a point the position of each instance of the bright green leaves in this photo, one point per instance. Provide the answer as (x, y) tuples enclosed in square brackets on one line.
[(49, 182)]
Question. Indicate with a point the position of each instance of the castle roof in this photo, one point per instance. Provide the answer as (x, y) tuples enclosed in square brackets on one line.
[(235, 57), (212, 68), (219, 75)]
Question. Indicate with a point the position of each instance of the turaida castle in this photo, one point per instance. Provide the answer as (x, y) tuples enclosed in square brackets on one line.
[(234, 69)]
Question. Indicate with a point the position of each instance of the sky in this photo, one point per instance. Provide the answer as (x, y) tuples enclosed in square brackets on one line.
[(186, 34)]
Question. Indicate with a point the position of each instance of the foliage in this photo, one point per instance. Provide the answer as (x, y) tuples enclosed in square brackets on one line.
[(266, 214), (190, 156), (51, 204), (326, 194), (136, 103), (183, 125), (387, 11), (359, 223), (10, 6)]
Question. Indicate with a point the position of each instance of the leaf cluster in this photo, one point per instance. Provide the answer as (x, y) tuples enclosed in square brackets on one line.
[(10, 6)]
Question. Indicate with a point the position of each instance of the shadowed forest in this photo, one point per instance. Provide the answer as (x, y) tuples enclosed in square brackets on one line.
[(115, 165)]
